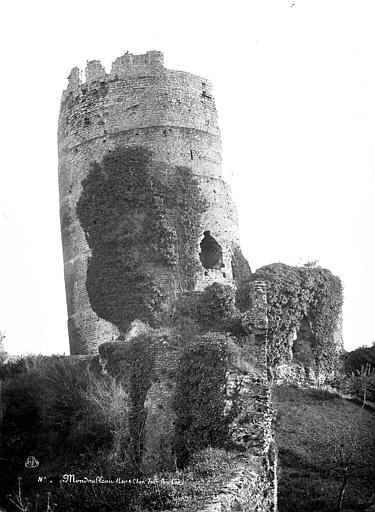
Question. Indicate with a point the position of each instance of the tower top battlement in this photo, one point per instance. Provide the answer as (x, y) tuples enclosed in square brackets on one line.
[(128, 65)]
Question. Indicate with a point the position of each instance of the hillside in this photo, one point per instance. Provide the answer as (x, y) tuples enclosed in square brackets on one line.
[(313, 429)]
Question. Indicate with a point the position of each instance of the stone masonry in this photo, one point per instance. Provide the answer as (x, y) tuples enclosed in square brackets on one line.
[(172, 114)]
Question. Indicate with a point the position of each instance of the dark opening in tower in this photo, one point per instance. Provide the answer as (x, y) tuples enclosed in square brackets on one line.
[(211, 254)]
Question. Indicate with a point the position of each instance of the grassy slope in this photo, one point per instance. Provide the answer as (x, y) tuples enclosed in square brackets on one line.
[(306, 422)]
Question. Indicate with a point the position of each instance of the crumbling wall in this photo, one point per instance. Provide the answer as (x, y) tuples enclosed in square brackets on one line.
[(255, 321), (212, 383), (305, 315)]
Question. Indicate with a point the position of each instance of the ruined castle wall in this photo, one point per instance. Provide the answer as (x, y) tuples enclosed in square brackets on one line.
[(247, 404), (139, 103), (255, 321)]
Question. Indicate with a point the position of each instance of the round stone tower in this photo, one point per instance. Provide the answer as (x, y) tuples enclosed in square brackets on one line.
[(148, 123)]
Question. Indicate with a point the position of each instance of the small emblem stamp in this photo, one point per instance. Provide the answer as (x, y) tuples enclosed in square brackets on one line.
[(31, 462)]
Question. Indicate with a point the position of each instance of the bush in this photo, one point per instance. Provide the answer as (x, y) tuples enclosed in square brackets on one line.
[(108, 405), (56, 409)]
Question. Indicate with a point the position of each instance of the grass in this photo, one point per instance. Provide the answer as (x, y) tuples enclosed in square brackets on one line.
[(311, 424)]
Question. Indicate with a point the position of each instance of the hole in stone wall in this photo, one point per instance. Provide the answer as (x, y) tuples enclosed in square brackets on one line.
[(204, 92), (211, 254)]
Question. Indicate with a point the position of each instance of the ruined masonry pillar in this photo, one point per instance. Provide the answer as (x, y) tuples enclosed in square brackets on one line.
[(255, 321)]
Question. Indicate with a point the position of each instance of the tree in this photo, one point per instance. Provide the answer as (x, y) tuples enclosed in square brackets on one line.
[(362, 383), (342, 452)]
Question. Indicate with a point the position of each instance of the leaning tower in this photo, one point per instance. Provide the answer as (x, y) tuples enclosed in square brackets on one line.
[(145, 213)]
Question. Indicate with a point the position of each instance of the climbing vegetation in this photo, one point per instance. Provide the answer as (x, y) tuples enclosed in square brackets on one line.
[(200, 396), (137, 220), (297, 293)]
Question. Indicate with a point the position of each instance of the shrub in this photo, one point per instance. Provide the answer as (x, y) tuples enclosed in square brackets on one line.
[(56, 410), (108, 404)]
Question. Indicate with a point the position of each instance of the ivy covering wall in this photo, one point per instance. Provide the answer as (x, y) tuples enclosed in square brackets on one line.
[(200, 396), (295, 293), (212, 309), (135, 220)]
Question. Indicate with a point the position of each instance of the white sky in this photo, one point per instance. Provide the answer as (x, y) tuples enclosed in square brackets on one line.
[(294, 84)]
